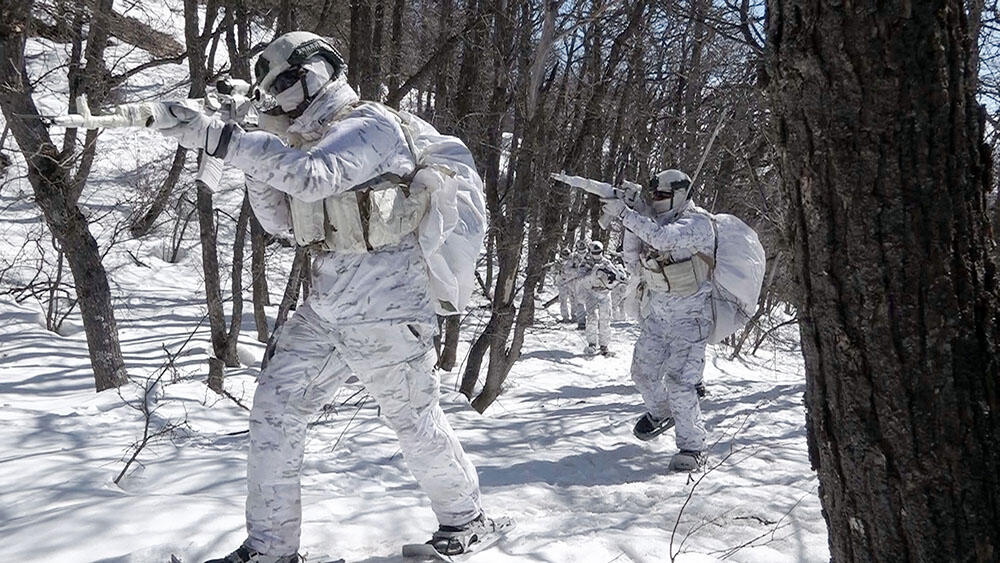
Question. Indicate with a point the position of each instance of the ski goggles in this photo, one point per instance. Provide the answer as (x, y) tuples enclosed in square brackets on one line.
[(286, 80), (658, 194), (298, 56)]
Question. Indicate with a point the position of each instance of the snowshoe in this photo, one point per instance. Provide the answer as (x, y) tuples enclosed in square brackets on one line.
[(688, 460), (590, 350), (450, 542), (647, 427), (244, 554), (606, 353)]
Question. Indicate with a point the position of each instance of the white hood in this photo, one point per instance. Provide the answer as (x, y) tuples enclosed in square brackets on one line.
[(336, 96)]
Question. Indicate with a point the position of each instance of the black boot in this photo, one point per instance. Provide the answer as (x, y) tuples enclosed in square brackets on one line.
[(453, 540), (244, 554), (647, 427)]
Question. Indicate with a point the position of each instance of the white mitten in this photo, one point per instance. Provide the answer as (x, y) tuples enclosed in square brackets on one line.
[(193, 129), (613, 210)]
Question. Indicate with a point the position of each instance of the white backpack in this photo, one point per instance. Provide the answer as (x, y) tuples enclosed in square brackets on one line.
[(451, 233), (737, 276)]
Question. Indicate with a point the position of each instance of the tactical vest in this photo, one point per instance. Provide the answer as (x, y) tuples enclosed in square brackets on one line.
[(376, 214), (681, 278)]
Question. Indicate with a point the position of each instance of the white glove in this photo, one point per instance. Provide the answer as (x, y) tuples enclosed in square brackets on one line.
[(195, 130), (613, 210)]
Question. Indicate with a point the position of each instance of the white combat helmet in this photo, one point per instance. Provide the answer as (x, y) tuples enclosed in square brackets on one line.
[(299, 58), (596, 247), (669, 192)]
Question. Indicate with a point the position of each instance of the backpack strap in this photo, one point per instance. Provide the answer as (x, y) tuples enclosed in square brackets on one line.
[(711, 271), (404, 125), (711, 260)]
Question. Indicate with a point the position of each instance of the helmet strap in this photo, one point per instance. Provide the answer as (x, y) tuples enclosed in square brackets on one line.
[(306, 100)]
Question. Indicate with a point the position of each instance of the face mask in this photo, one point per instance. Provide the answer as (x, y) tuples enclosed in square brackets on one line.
[(670, 206), (663, 205), (317, 74)]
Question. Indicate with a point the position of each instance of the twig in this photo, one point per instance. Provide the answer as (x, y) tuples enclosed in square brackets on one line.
[(348, 425)]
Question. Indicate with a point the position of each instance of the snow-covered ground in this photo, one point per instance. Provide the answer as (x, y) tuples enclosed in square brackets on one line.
[(555, 452)]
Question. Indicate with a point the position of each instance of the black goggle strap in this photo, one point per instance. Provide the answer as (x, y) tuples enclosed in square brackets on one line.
[(681, 184), (654, 185)]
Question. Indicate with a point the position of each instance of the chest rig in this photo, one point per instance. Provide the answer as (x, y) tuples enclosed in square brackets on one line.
[(372, 215), (661, 271)]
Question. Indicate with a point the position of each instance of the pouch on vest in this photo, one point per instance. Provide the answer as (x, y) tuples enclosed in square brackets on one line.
[(681, 279), (308, 221)]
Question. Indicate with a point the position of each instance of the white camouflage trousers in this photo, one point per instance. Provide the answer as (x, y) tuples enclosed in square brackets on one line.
[(312, 359), (567, 303), (598, 304), (669, 360), (619, 294), (580, 289)]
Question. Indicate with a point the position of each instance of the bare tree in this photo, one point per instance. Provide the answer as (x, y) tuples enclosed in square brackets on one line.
[(57, 189)]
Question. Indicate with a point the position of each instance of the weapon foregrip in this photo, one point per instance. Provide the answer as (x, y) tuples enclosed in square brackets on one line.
[(600, 189), (127, 115)]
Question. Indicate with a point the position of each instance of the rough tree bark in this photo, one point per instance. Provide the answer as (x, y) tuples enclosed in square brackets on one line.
[(879, 137), (448, 351)]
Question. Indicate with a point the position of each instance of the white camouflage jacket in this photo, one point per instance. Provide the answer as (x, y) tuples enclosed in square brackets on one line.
[(344, 145)]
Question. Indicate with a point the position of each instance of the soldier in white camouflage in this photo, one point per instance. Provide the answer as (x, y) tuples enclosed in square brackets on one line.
[(604, 276), (339, 178), (620, 292), (580, 265), (666, 244), (564, 275)]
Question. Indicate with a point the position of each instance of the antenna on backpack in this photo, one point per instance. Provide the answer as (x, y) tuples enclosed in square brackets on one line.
[(708, 148)]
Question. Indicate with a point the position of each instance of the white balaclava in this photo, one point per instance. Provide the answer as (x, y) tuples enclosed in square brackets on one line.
[(670, 193), (317, 73)]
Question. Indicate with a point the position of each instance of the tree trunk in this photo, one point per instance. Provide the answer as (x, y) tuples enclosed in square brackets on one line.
[(258, 272), (449, 348), (362, 63), (442, 119), (879, 140), (198, 61), (287, 20), (55, 193), (236, 318), (210, 267), (395, 45), (300, 267)]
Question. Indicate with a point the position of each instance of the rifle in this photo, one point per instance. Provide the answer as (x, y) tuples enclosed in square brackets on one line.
[(230, 99), (629, 192)]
